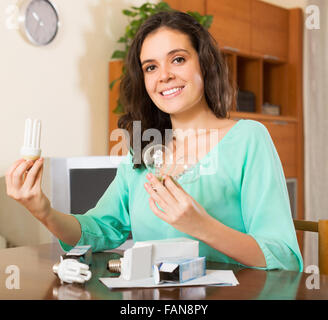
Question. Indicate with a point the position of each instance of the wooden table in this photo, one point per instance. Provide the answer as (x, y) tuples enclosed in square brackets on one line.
[(37, 281)]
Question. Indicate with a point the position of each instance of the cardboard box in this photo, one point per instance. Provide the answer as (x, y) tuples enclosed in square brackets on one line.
[(82, 254), (179, 270), (171, 248)]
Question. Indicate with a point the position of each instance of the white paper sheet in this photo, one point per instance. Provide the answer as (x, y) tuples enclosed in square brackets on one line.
[(212, 277)]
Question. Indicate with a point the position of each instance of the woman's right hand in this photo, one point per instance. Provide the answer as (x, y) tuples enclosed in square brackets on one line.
[(23, 182)]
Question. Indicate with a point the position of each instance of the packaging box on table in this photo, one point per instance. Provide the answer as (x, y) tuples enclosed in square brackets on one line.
[(171, 248), (137, 261), (179, 270)]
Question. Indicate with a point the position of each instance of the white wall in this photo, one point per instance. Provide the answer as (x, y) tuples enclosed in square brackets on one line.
[(288, 3)]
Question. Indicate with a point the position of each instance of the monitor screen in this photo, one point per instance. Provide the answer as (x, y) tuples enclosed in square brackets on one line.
[(87, 186)]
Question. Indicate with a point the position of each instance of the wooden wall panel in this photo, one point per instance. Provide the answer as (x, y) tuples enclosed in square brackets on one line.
[(115, 71), (188, 5), (231, 23), (283, 135), (269, 30)]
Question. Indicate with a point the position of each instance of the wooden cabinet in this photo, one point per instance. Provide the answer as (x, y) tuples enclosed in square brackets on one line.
[(246, 26), (231, 24), (249, 78), (284, 136), (190, 5), (269, 30), (272, 70), (268, 80), (275, 86), (250, 26), (115, 135)]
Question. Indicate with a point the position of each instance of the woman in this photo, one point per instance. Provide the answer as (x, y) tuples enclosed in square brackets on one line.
[(238, 209)]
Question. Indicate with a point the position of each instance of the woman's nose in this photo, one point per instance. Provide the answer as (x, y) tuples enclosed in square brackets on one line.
[(166, 75)]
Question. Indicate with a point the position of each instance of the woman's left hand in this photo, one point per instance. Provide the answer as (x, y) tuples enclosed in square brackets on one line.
[(181, 210)]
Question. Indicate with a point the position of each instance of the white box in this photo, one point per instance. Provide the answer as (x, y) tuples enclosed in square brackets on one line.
[(171, 248), (136, 263)]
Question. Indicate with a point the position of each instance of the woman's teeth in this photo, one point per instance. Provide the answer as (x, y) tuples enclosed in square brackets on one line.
[(168, 92)]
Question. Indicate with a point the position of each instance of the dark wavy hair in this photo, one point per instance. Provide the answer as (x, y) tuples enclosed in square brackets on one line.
[(137, 104)]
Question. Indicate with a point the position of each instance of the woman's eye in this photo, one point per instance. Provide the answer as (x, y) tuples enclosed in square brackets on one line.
[(179, 59), (150, 68)]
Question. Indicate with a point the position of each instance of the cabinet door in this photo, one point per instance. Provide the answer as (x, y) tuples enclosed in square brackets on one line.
[(190, 5), (231, 23), (269, 30), (284, 137), (114, 149)]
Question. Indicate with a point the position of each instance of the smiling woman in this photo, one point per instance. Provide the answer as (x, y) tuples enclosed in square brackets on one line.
[(238, 209), (174, 70)]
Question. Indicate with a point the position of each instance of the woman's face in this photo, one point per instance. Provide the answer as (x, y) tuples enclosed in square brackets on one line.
[(171, 69)]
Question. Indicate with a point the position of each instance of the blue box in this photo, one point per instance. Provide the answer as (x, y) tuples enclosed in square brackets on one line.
[(179, 269)]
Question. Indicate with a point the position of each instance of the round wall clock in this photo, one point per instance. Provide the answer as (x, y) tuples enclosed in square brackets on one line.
[(39, 21)]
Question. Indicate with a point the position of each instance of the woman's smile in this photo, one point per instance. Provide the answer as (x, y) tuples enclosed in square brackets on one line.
[(172, 92)]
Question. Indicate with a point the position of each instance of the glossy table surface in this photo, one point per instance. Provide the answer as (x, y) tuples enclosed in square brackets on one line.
[(36, 280)]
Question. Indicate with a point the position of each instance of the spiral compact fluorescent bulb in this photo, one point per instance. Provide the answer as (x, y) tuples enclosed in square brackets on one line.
[(31, 148), (71, 270)]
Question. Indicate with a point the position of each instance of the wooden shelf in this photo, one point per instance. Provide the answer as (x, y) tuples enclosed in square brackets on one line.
[(267, 79), (249, 78), (253, 55), (260, 116)]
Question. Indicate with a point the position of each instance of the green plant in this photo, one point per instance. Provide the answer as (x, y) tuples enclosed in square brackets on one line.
[(136, 16)]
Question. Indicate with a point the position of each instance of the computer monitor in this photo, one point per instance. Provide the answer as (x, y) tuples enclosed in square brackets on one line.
[(78, 183)]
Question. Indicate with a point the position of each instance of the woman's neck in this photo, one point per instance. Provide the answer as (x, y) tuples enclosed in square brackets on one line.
[(195, 119)]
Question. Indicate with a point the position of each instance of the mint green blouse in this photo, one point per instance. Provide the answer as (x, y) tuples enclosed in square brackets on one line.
[(242, 185)]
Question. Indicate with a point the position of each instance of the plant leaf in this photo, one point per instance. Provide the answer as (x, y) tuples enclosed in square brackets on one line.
[(136, 24), (119, 108), (111, 85), (118, 54), (208, 21), (144, 6), (163, 6), (129, 13), (122, 40)]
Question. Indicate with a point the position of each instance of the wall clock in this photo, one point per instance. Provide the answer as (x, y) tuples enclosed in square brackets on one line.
[(39, 22)]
